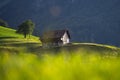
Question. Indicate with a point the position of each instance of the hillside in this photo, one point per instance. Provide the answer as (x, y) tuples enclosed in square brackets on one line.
[(15, 43), (12, 42), (81, 48), (11, 33), (76, 61), (8, 32)]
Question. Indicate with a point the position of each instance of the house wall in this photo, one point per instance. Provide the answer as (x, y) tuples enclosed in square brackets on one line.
[(65, 38)]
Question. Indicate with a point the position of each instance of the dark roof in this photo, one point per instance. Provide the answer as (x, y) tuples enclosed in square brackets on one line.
[(56, 34)]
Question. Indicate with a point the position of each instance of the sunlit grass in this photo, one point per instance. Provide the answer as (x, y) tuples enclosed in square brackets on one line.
[(63, 66), (10, 34), (14, 43), (99, 45), (22, 59)]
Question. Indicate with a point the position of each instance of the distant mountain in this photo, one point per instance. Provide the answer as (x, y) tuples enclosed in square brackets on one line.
[(87, 20)]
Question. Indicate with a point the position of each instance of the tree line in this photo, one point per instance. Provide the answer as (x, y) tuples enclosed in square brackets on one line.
[(26, 28)]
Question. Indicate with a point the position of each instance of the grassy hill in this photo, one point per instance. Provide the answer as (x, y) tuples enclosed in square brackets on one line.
[(77, 61), (81, 48), (16, 43), (12, 42), (11, 33)]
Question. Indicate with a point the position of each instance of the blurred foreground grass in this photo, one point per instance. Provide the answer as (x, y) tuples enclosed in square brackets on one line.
[(90, 62), (63, 66)]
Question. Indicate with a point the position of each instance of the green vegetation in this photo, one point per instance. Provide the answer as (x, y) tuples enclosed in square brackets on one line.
[(25, 59), (26, 28), (64, 66), (8, 32), (12, 42)]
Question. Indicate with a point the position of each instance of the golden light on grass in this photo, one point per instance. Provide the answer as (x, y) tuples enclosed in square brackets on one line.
[(59, 67)]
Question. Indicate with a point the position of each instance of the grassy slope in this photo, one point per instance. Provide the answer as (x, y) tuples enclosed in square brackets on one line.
[(65, 66), (11, 33), (81, 48), (10, 41), (7, 32), (15, 43)]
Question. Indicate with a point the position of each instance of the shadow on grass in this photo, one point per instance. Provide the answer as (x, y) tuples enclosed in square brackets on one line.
[(38, 49), (2, 41), (21, 44), (8, 50), (81, 48), (19, 47), (7, 37)]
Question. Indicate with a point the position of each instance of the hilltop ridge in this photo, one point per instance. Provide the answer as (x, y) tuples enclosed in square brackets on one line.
[(16, 43)]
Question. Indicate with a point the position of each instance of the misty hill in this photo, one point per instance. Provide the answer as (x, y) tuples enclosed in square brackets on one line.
[(87, 20)]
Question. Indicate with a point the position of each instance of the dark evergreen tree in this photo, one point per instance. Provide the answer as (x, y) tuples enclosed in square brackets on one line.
[(26, 28), (3, 23)]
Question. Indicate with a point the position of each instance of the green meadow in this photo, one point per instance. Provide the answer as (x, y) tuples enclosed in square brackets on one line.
[(14, 43), (25, 59)]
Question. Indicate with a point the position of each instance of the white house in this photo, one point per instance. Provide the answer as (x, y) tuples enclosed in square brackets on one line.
[(55, 38)]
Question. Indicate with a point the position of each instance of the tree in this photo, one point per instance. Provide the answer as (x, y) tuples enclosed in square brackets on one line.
[(3, 23), (26, 28)]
